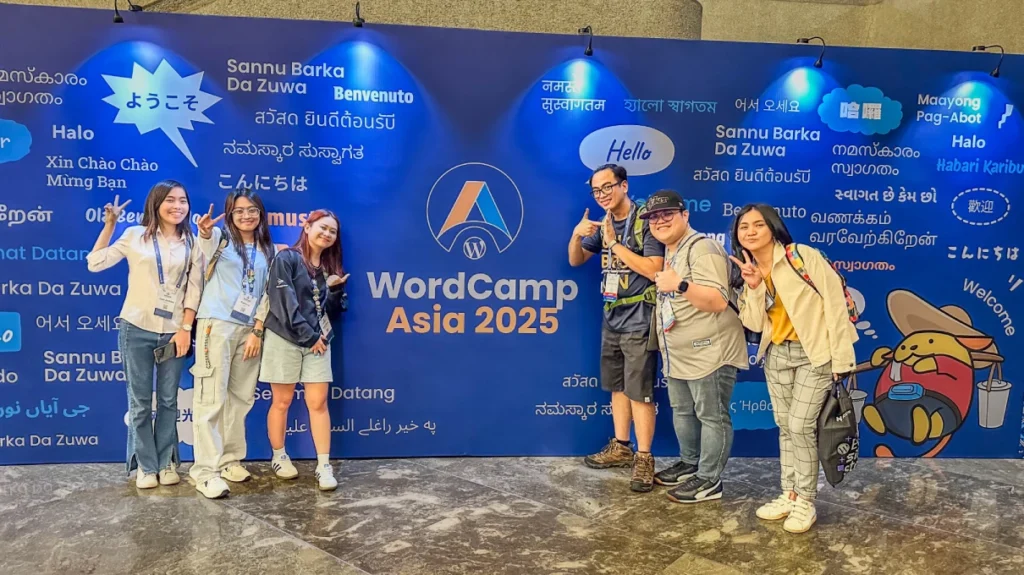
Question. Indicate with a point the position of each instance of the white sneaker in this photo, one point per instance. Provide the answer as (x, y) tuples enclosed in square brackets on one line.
[(802, 517), (145, 480), (283, 468), (235, 473), (777, 509), (169, 476), (325, 478), (213, 488)]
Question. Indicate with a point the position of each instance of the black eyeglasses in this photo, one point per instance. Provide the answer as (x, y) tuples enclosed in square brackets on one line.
[(662, 216), (604, 190)]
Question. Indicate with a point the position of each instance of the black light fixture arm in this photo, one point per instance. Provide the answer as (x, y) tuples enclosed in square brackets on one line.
[(821, 56)]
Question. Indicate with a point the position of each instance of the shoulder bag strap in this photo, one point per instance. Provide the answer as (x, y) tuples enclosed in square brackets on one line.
[(689, 251), (216, 256)]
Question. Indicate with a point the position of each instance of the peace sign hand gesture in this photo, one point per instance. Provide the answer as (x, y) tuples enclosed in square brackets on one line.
[(748, 269), (207, 222), (111, 212)]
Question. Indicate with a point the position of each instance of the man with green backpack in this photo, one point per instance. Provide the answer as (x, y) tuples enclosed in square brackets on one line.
[(630, 257)]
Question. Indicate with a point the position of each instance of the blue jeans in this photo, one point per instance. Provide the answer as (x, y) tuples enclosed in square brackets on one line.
[(700, 414), (151, 447)]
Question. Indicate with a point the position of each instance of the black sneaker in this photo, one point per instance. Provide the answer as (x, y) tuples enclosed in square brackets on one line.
[(696, 490), (676, 474)]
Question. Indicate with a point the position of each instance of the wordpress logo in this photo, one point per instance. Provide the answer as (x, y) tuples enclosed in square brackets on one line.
[(10, 331), (473, 205), (474, 248)]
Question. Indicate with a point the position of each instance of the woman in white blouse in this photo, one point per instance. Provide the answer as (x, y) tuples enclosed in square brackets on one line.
[(163, 271)]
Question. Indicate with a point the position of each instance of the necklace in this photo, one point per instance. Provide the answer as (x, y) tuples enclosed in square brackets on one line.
[(316, 291)]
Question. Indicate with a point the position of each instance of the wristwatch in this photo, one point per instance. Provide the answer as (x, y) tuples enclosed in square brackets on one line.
[(683, 286), (257, 332), (613, 244), (187, 327)]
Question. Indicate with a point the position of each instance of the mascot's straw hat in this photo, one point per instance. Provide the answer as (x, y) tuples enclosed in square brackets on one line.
[(911, 314)]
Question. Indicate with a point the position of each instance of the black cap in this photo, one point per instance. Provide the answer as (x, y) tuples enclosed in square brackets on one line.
[(663, 200)]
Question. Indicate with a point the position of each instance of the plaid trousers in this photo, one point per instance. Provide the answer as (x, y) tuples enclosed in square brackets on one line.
[(798, 392)]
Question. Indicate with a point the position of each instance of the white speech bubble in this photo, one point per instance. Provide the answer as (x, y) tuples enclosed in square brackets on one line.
[(639, 149), (162, 100), (858, 299)]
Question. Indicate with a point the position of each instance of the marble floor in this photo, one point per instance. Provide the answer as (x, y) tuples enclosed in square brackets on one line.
[(510, 516)]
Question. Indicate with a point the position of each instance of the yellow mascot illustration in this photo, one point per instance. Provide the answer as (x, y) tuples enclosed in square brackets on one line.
[(926, 387)]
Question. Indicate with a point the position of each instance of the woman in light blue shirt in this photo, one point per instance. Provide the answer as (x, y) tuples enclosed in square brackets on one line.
[(229, 338)]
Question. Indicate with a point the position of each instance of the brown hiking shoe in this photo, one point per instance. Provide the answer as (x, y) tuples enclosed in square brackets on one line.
[(613, 455), (643, 473)]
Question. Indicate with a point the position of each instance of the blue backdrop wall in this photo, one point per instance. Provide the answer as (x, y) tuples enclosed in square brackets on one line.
[(476, 337)]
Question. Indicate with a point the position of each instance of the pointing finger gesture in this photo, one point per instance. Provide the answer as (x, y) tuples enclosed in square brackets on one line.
[(586, 227)]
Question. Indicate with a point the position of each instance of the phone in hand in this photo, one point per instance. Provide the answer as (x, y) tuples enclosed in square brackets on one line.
[(166, 352)]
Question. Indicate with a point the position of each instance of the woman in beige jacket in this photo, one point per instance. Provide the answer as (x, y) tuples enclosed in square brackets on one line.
[(796, 301)]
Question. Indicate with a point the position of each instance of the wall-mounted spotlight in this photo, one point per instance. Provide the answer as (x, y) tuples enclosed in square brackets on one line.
[(587, 30), (1002, 53), (358, 21), (821, 56), (117, 13)]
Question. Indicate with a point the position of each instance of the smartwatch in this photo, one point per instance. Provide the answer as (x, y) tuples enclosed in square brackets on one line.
[(683, 286)]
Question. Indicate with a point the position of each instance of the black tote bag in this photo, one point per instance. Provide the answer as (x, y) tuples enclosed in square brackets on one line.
[(838, 440)]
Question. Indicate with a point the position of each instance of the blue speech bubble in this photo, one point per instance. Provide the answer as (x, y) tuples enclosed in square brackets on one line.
[(15, 141), (860, 110), (162, 100), (10, 331)]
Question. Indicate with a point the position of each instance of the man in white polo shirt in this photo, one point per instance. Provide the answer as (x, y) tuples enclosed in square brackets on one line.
[(702, 347)]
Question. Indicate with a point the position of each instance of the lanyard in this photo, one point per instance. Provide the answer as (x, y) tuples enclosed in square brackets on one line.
[(160, 263), (687, 244), (625, 232), (249, 272)]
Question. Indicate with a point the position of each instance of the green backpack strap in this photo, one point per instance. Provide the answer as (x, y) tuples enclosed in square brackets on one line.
[(638, 226), (649, 296)]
